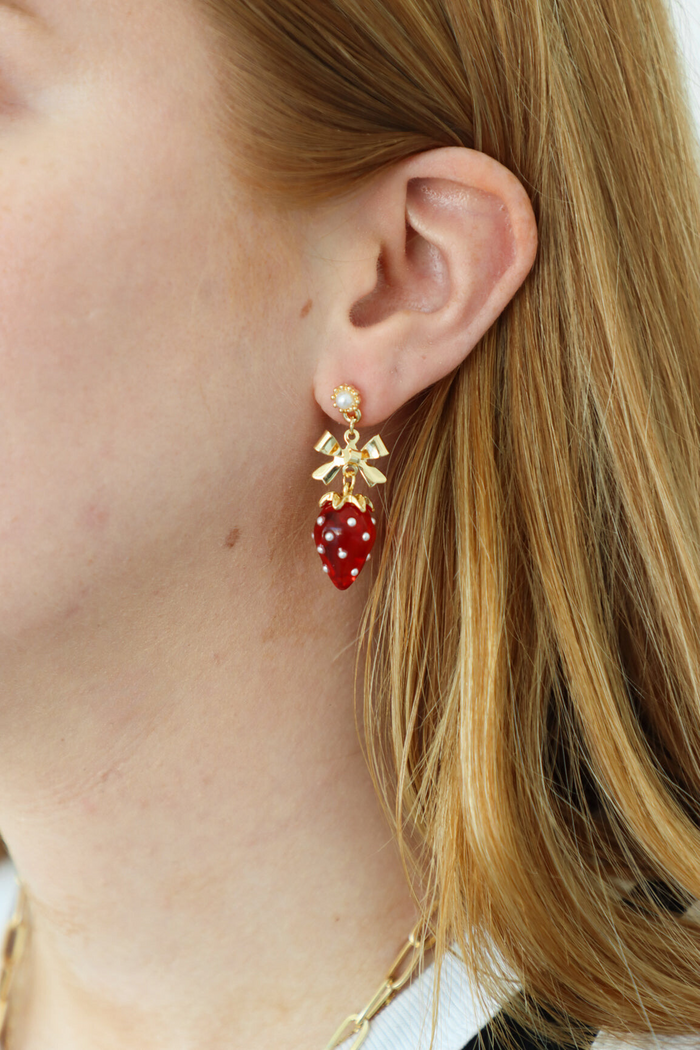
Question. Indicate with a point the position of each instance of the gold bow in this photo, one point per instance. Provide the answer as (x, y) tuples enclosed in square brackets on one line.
[(350, 456)]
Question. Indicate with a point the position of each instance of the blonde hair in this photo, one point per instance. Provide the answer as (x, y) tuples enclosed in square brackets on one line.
[(533, 682)]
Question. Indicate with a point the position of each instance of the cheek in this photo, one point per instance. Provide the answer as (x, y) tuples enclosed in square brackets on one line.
[(115, 334)]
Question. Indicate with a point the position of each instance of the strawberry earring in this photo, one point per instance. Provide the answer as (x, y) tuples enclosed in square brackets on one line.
[(345, 529)]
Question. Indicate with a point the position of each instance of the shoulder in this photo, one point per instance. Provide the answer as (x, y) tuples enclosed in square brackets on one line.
[(647, 1042), (501, 1032)]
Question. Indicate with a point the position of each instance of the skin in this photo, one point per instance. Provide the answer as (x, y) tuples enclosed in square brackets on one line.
[(181, 784)]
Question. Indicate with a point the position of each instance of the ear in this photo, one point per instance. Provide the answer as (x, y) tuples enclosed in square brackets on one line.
[(414, 270)]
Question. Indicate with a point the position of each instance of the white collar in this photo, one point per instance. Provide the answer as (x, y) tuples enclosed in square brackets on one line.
[(406, 1023)]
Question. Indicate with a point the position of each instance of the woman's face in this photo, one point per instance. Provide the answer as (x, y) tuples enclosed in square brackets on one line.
[(150, 331)]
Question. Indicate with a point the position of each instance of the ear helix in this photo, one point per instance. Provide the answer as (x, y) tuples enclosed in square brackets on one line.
[(345, 528)]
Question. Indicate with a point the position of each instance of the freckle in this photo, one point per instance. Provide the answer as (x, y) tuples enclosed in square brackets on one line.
[(306, 308), (232, 538), (95, 517)]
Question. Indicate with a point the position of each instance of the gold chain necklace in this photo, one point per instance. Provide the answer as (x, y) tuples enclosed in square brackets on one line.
[(12, 948), (403, 969)]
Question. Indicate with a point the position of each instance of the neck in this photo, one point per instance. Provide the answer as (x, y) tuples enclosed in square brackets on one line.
[(187, 804)]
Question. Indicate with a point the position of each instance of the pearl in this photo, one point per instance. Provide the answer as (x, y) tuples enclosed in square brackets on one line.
[(354, 572), (320, 521), (374, 521), (368, 557), (365, 536), (352, 522), (329, 537), (342, 553), (325, 568), (321, 549), (344, 400)]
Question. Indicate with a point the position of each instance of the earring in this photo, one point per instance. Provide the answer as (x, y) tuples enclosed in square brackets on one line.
[(345, 528)]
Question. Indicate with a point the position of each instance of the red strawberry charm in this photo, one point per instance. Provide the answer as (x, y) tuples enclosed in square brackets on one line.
[(344, 539)]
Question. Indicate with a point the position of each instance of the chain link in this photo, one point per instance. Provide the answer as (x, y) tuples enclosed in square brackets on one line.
[(402, 970)]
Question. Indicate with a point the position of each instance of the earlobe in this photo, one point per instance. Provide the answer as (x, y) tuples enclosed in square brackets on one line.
[(454, 237)]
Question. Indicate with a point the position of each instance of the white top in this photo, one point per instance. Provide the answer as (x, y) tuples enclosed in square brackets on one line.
[(406, 1023)]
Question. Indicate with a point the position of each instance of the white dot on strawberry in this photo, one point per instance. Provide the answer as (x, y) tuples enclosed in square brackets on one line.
[(321, 549), (352, 522), (320, 521), (342, 553), (365, 536), (329, 537)]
